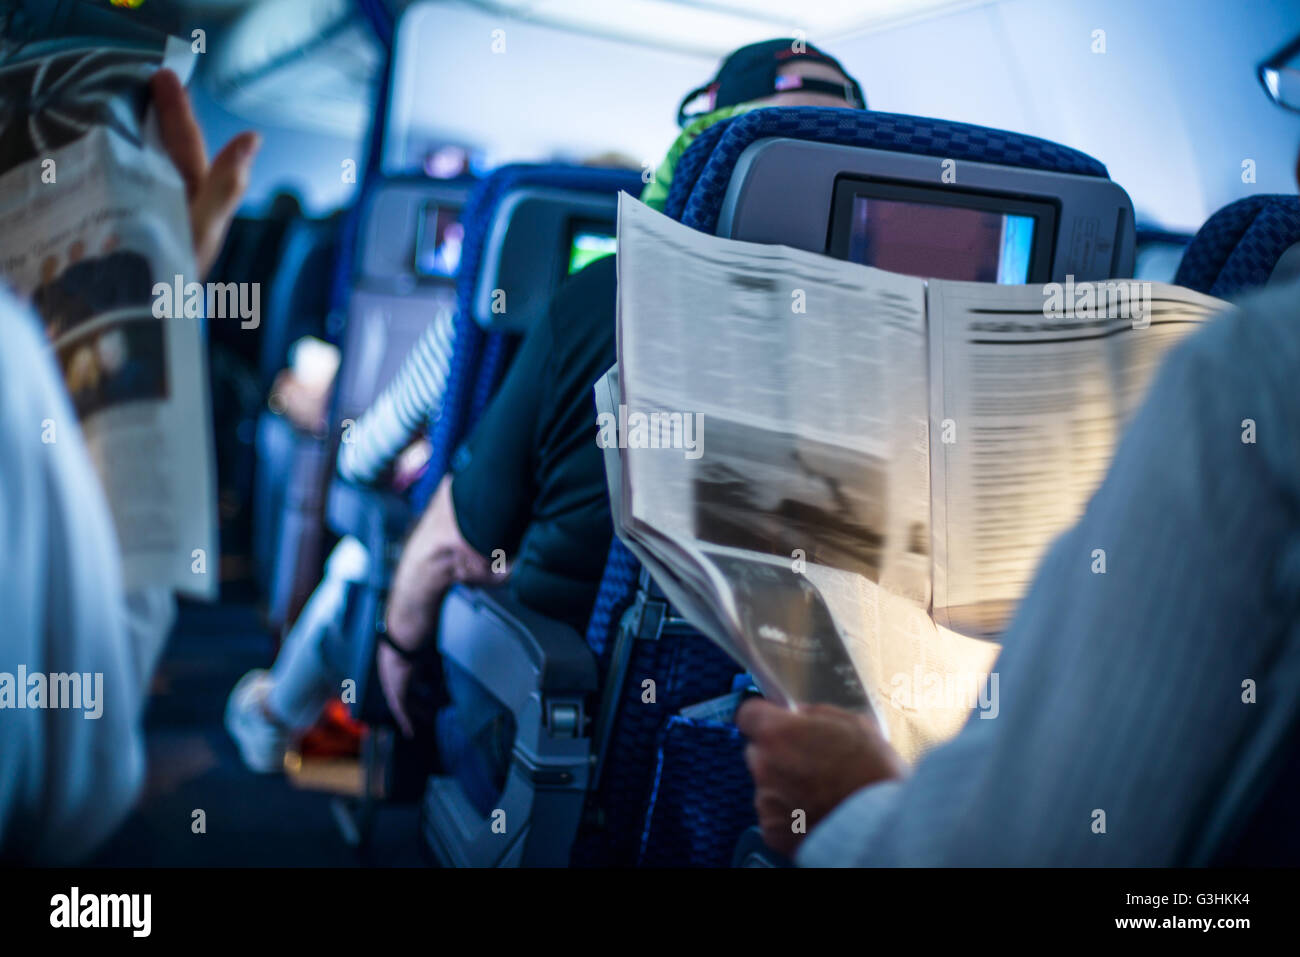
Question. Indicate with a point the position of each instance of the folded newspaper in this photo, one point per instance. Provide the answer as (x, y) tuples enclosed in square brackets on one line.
[(845, 476), (94, 219)]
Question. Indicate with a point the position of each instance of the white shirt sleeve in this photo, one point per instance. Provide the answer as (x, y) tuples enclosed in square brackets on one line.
[(1145, 713), (67, 776)]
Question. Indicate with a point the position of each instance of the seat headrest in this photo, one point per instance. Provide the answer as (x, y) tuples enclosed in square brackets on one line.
[(479, 357), (704, 171), (388, 229), (497, 185), (1239, 246)]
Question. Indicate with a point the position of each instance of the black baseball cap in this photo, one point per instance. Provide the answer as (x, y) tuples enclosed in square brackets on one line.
[(750, 73)]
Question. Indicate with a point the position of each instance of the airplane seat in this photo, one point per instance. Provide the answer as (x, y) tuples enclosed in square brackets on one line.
[(252, 253), (770, 176), (392, 294), (520, 234), (298, 303), (523, 226), (250, 256), (406, 250), (703, 175), (688, 825), (638, 637), (1242, 245), (531, 226), (518, 224), (298, 297)]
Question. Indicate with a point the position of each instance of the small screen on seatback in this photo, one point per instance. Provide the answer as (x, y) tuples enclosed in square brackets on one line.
[(588, 244), (935, 234), (438, 241)]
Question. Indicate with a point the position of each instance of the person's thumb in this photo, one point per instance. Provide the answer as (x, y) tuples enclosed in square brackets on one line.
[(215, 203)]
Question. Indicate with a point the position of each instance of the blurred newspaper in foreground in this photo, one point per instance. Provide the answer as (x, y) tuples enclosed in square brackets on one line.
[(93, 216), (845, 476)]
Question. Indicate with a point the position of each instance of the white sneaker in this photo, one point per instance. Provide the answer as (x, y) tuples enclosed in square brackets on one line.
[(262, 743)]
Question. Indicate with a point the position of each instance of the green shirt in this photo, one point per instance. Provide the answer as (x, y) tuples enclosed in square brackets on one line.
[(655, 194)]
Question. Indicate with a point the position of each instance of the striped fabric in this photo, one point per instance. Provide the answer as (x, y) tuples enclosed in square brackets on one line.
[(408, 404), (1144, 712)]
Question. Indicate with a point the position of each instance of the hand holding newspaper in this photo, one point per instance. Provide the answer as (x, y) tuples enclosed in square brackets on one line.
[(846, 477), (93, 220)]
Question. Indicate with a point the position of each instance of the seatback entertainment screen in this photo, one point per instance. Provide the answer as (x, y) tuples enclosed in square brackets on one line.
[(587, 244), (942, 235), (438, 241)]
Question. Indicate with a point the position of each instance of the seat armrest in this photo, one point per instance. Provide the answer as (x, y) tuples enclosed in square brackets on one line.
[(542, 672), (375, 517), (512, 650), (752, 851)]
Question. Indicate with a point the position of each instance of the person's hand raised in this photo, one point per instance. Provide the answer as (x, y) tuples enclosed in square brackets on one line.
[(214, 189)]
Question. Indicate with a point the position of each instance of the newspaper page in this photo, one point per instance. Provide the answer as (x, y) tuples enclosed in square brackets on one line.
[(813, 453), (94, 231), (1030, 389), (777, 439)]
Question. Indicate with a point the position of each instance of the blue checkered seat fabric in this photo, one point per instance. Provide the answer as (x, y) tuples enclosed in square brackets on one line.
[(1239, 246)]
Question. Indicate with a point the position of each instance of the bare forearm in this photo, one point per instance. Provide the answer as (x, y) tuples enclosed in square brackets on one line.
[(435, 557), (417, 592)]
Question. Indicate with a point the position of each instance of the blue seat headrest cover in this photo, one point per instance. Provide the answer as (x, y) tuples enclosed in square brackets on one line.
[(704, 171), (479, 357), (493, 188), (1239, 246)]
